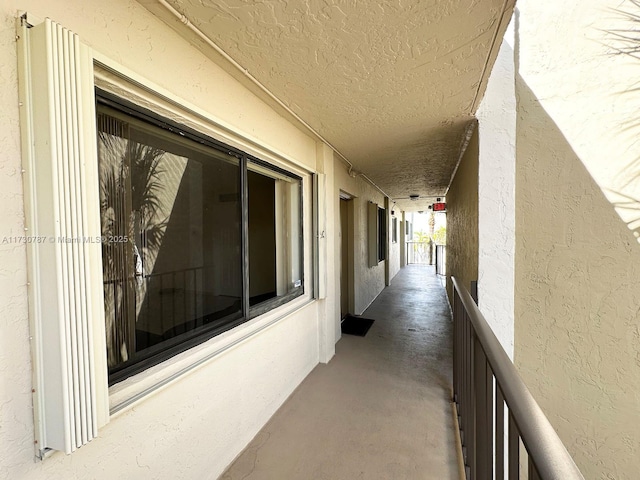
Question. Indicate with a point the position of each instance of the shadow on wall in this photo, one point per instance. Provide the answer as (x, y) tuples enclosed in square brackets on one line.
[(577, 337)]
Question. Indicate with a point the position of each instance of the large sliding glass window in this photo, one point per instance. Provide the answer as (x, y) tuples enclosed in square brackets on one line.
[(197, 237)]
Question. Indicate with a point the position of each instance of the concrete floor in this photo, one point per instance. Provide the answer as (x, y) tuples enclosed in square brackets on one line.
[(380, 409)]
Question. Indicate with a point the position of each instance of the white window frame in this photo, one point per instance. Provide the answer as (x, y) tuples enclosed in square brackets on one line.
[(117, 79)]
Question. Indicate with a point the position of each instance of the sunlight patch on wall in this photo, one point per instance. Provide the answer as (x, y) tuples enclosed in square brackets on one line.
[(581, 76)]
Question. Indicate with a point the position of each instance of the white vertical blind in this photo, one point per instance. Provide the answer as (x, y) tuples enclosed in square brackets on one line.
[(62, 209)]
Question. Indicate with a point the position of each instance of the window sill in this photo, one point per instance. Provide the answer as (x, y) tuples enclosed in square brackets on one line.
[(137, 387)]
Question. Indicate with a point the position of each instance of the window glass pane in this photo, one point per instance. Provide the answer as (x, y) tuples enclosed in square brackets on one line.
[(171, 219), (275, 237)]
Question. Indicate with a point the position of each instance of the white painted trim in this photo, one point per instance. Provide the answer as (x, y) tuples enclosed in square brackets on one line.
[(30, 200), (129, 392), (61, 201), (282, 250), (119, 80), (320, 235)]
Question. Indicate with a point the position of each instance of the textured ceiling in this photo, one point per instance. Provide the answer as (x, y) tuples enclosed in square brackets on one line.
[(391, 85)]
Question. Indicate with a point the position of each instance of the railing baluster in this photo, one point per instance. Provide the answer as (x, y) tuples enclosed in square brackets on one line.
[(488, 415), (480, 404), (456, 349), (533, 472), (514, 449), (465, 381), (499, 433), (465, 384), (469, 366), (471, 413), (467, 388), (462, 366)]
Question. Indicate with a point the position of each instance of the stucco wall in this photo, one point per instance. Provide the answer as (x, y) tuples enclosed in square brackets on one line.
[(196, 425), (462, 219), (16, 434), (496, 196), (329, 307), (369, 281), (577, 340)]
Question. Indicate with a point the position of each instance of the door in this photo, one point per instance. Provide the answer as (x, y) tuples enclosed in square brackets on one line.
[(344, 261)]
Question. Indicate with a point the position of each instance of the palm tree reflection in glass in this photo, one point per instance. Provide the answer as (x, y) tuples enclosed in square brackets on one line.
[(132, 232)]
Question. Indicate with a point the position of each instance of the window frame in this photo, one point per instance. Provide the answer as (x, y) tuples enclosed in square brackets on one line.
[(55, 409), (115, 78), (268, 305), (248, 312)]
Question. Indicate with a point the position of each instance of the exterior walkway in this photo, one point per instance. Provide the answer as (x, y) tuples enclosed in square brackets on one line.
[(380, 409)]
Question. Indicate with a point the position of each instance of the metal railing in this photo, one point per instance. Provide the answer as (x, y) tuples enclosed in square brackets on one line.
[(419, 253), (486, 385), (166, 284)]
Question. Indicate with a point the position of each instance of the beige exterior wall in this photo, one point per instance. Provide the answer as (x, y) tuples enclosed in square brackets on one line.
[(194, 426), (577, 339), (496, 196), (462, 219), (329, 256)]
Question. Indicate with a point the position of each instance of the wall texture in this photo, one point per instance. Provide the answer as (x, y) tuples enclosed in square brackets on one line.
[(462, 219), (329, 308), (196, 425), (496, 197), (16, 418), (577, 340)]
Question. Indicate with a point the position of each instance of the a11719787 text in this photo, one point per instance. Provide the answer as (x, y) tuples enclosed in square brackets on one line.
[(27, 239)]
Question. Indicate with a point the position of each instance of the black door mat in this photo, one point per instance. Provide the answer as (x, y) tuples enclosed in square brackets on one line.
[(352, 325)]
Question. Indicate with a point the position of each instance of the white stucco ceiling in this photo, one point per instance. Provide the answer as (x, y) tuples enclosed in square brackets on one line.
[(391, 85)]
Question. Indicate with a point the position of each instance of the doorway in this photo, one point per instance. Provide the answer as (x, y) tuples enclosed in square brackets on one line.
[(346, 253)]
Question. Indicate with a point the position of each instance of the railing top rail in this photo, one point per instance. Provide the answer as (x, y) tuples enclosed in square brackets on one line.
[(550, 456)]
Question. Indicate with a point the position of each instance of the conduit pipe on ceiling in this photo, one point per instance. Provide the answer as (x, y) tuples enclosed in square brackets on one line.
[(185, 21), (510, 5), (464, 143), (471, 126)]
